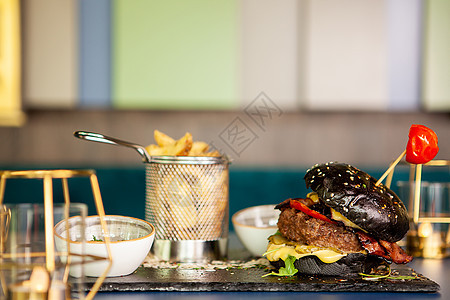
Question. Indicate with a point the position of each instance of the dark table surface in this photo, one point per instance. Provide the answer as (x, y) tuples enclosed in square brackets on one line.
[(437, 270)]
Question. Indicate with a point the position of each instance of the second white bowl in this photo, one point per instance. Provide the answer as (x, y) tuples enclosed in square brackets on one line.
[(253, 225)]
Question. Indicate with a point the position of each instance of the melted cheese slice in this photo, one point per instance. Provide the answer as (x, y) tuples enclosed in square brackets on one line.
[(335, 215), (282, 251), (313, 196)]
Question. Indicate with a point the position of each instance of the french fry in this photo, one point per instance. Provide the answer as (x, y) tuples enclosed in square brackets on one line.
[(163, 139), (198, 148), (154, 150), (185, 146)]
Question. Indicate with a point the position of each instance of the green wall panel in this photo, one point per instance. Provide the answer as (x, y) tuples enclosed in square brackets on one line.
[(436, 68), (175, 54)]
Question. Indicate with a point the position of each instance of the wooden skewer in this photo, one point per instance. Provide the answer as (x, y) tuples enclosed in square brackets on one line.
[(391, 167), (389, 179)]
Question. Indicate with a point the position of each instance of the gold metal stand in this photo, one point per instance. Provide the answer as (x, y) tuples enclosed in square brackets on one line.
[(424, 239), (47, 176), (415, 175)]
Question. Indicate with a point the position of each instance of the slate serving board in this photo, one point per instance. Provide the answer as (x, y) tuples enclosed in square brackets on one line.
[(155, 279)]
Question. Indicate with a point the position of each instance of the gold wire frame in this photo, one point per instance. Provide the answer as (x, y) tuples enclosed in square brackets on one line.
[(48, 176), (415, 174)]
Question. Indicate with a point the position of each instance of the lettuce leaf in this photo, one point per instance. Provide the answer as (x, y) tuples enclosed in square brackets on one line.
[(287, 270)]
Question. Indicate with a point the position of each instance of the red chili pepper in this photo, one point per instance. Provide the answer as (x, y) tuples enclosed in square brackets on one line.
[(422, 145), (312, 213)]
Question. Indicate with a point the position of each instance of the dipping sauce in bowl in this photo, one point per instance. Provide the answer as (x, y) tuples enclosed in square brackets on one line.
[(253, 225), (130, 242)]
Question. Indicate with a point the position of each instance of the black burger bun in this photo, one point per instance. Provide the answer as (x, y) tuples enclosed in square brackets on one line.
[(348, 266), (353, 193)]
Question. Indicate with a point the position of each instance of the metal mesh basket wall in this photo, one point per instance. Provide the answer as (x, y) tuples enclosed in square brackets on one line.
[(187, 198)]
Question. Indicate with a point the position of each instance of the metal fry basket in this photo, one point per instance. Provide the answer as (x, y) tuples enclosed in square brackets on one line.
[(187, 201)]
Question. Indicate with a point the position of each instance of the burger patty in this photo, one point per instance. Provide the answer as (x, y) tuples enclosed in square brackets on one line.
[(298, 226)]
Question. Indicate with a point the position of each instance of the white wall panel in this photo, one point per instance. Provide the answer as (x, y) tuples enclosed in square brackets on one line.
[(50, 53), (405, 44), (345, 55), (269, 58)]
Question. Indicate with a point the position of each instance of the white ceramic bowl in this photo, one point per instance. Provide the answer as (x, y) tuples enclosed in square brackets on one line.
[(131, 240), (253, 225)]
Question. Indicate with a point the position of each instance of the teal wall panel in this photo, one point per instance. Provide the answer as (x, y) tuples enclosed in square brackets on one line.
[(123, 188)]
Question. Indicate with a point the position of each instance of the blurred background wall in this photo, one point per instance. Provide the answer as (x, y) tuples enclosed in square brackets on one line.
[(281, 84)]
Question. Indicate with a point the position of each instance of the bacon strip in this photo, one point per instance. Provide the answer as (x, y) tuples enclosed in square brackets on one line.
[(387, 250), (371, 244), (396, 253)]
